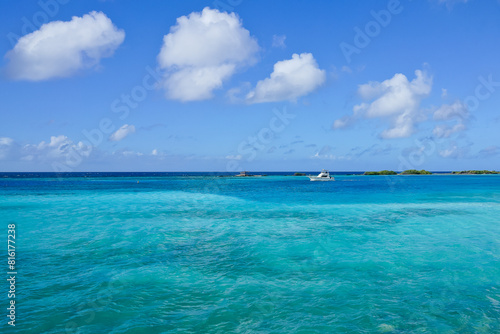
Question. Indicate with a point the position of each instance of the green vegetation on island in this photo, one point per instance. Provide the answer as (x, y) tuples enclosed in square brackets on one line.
[(477, 172), (415, 172), (382, 172), (299, 174)]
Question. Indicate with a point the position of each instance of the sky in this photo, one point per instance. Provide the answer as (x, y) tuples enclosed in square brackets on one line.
[(231, 85)]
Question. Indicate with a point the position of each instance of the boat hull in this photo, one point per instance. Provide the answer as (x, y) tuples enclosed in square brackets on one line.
[(316, 178)]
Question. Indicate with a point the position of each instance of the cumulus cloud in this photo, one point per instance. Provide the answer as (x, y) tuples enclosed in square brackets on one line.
[(202, 51), (60, 149), (290, 79), (457, 112), (396, 100), (122, 132), (198, 83), (61, 49), (445, 131)]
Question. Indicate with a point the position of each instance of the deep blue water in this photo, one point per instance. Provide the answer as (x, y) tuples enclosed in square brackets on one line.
[(166, 253)]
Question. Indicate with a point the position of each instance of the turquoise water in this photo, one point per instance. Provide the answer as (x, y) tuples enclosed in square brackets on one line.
[(277, 254)]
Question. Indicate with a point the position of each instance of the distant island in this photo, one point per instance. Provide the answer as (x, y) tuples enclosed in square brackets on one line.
[(388, 172), (247, 174), (424, 172), (406, 172), (477, 172), (415, 172), (382, 172)]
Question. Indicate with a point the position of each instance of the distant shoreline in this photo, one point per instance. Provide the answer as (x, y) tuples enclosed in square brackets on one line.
[(425, 172), (6, 175)]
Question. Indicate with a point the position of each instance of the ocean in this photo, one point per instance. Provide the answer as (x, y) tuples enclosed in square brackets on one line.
[(203, 253)]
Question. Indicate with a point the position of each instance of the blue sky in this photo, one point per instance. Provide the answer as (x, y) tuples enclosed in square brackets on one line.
[(232, 85)]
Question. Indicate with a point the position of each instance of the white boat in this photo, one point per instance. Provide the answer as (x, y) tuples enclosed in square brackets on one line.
[(323, 176)]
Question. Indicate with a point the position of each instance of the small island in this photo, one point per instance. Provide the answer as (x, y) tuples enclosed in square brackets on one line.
[(247, 174), (415, 172), (406, 172), (473, 172), (382, 172), (299, 174)]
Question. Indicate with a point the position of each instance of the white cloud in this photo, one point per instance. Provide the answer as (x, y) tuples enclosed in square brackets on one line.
[(396, 100), (330, 157), (197, 83), (5, 146), (60, 49), (234, 157), (455, 152), (128, 154), (445, 131), (158, 154), (6, 141), (279, 41), (122, 132), (291, 79), (343, 122), (457, 110), (325, 153), (59, 148), (447, 112), (202, 51)]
